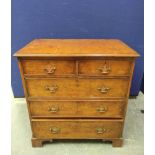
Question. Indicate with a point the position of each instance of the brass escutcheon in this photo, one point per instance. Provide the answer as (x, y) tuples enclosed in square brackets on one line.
[(100, 130), (53, 109), (51, 89), (102, 109), (104, 89), (105, 69), (54, 130), (50, 69)]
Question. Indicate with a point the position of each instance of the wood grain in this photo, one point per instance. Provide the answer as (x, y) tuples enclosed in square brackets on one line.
[(48, 67), (76, 88), (68, 109), (81, 88), (100, 67), (77, 128), (76, 48)]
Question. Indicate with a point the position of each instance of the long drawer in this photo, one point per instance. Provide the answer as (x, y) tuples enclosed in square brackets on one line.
[(60, 109), (77, 88), (76, 128)]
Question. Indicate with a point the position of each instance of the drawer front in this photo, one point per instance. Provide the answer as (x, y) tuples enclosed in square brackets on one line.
[(105, 109), (48, 67), (73, 129), (72, 88), (104, 67)]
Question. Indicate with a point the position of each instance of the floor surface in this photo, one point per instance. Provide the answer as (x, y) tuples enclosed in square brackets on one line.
[(133, 135)]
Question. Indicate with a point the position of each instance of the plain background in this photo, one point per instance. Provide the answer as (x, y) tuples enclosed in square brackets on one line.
[(121, 19)]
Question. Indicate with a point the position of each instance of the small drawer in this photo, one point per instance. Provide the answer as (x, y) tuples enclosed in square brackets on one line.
[(55, 109), (73, 88), (104, 67), (76, 128), (48, 67)]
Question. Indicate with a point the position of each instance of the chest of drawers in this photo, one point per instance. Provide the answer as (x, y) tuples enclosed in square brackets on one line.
[(76, 88)]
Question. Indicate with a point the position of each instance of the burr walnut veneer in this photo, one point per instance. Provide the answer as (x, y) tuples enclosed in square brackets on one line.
[(76, 88)]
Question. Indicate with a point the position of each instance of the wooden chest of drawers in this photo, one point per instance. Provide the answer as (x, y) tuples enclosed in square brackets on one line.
[(76, 88)]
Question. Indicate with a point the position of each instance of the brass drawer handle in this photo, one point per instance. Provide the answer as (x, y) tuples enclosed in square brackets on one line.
[(51, 89), (50, 70), (53, 109), (104, 89), (102, 109), (54, 130), (105, 69), (100, 130)]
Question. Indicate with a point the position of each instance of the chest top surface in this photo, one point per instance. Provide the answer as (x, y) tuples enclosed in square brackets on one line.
[(76, 48)]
